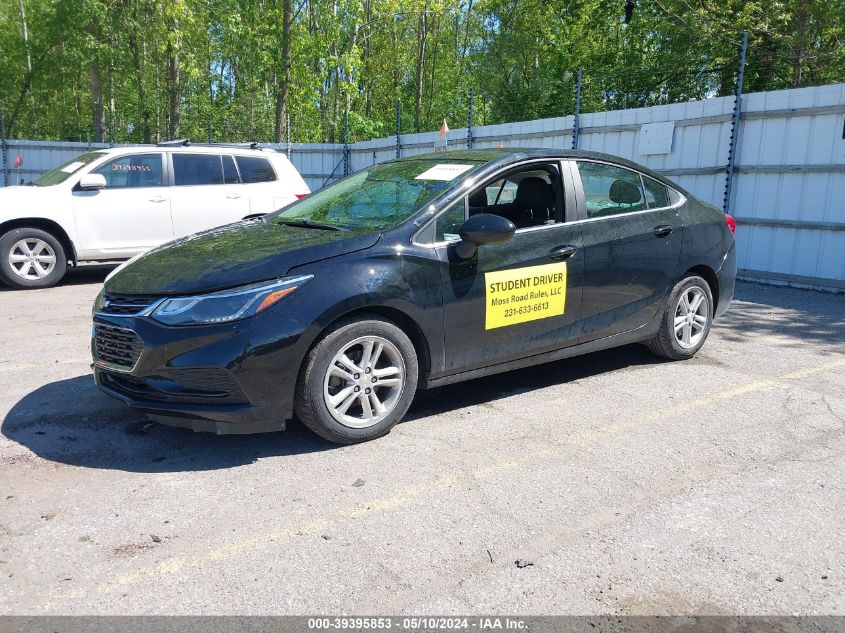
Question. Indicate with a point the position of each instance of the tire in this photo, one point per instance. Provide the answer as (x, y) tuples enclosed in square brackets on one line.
[(325, 376), (31, 258), (692, 330)]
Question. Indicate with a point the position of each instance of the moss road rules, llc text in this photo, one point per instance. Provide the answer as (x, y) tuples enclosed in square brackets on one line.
[(524, 294)]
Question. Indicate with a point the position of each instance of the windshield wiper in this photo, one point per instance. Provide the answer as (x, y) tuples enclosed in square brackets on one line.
[(308, 224)]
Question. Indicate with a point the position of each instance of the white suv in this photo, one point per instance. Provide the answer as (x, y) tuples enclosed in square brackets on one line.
[(113, 204)]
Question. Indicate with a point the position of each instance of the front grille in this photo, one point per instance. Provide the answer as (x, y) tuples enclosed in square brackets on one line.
[(116, 345), (127, 304)]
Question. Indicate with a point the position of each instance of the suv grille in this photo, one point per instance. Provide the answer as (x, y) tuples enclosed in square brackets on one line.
[(117, 345), (127, 304)]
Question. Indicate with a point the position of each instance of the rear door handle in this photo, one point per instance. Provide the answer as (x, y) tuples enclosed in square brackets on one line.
[(663, 230), (233, 196), (158, 199), (562, 252)]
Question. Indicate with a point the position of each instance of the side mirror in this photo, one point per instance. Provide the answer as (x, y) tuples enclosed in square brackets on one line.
[(480, 229), (91, 182)]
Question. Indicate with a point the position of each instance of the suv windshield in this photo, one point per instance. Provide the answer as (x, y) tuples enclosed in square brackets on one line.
[(63, 172), (378, 197)]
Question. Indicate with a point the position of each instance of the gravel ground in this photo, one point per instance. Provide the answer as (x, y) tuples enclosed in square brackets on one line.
[(609, 483)]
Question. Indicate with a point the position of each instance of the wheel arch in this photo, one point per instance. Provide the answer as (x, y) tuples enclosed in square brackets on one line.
[(709, 275), (402, 320), (50, 226)]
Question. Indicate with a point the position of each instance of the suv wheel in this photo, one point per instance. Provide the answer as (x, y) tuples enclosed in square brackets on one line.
[(31, 258), (358, 381)]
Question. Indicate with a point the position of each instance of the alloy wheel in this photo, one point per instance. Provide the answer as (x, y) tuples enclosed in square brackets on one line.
[(691, 315), (364, 381), (32, 258)]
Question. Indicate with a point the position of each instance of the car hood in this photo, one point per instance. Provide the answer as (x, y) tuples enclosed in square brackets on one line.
[(230, 256), (19, 200)]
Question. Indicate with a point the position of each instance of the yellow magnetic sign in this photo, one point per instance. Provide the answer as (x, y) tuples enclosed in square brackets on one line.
[(524, 294)]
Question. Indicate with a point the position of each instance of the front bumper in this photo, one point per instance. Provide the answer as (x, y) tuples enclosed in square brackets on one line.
[(230, 378)]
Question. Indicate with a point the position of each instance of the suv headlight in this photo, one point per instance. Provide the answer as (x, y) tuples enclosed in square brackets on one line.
[(227, 305)]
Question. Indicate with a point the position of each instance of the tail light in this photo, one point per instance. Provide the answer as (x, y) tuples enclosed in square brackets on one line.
[(300, 196), (731, 222)]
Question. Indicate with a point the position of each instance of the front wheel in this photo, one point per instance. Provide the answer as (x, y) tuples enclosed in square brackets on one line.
[(31, 258), (358, 381), (686, 321)]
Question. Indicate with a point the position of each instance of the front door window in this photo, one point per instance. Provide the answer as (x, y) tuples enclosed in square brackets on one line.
[(136, 170)]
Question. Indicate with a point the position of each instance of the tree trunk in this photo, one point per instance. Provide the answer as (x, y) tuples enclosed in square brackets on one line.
[(433, 83), (283, 78), (422, 35), (368, 83), (799, 45), (97, 111), (138, 65), (173, 90), (25, 35)]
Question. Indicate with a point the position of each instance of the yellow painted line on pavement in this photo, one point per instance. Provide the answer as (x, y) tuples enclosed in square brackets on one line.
[(408, 494)]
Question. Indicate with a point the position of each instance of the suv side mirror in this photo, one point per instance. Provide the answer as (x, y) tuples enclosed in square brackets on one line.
[(91, 182), (483, 228)]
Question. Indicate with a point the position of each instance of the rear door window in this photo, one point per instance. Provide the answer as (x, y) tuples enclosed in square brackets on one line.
[(254, 169), (197, 169), (610, 190), (136, 170)]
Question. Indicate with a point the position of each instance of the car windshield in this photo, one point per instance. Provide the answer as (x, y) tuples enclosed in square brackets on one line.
[(63, 172), (376, 198)]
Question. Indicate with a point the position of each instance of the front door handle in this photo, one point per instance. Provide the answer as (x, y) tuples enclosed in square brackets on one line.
[(233, 196), (663, 230), (562, 252), (158, 199)]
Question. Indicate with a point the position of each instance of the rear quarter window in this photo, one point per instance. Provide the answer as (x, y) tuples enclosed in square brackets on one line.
[(254, 169), (656, 194)]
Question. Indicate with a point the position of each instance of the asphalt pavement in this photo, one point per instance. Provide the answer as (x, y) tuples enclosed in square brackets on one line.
[(610, 483)]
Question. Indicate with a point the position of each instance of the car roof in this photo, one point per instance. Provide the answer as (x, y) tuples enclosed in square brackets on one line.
[(266, 152), (502, 157)]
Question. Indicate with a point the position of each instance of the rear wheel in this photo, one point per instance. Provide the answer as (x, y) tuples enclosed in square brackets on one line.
[(358, 381), (31, 258), (686, 321)]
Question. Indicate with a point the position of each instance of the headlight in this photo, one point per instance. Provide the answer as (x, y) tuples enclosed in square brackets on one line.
[(228, 305), (98, 302)]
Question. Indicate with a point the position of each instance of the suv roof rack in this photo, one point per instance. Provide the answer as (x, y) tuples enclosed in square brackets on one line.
[(184, 142)]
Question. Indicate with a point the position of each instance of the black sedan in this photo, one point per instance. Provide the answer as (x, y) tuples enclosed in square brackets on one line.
[(411, 274)]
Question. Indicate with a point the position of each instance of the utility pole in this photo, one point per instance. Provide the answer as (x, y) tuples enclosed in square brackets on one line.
[(735, 121), (576, 126), (398, 128), (3, 148), (287, 134), (346, 142), (469, 119)]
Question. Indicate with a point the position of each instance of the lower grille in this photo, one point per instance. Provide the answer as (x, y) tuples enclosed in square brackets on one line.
[(190, 386), (116, 345)]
